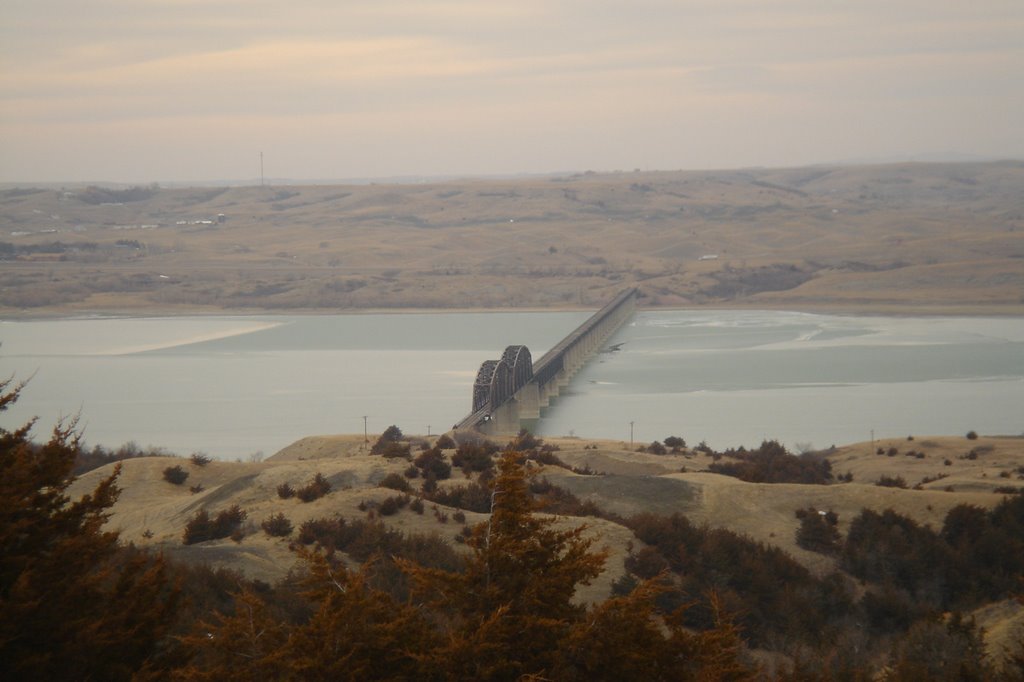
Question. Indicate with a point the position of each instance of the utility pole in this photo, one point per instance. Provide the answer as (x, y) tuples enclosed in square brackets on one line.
[(261, 169), (366, 438), (630, 435)]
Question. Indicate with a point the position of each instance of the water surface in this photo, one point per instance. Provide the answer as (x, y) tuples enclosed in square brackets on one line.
[(233, 386)]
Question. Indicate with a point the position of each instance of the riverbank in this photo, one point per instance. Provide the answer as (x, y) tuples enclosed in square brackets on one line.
[(880, 309), (939, 237)]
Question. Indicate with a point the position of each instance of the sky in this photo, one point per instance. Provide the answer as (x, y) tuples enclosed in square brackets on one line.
[(143, 91)]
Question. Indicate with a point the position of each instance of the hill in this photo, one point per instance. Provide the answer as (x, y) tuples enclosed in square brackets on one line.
[(937, 237), (940, 473)]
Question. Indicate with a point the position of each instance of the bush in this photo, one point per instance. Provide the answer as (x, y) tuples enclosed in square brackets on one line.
[(396, 450), (472, 457), (473, 497), (200, 459), (391, 436), (445, 442), (656, 448), (392, 505), (771, 463), (891, 482), (395, 482), (315, 490), (433, 462), (277, 526), (175, 474), (817, 531), (972, 435), (675, 443), (285, 491), (202, 528)]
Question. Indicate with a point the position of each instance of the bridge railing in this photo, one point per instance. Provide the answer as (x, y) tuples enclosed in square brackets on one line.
[(555, 355), (551, 363)]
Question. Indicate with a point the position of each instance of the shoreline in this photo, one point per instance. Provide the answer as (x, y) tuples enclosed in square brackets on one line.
[(851, 309)]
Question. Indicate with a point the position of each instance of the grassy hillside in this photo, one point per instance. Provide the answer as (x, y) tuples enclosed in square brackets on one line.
[(934, 236), (940, 473)]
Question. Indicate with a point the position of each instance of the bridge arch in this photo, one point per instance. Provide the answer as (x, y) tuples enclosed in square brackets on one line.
[(482, 385), (493, 385), (520, 364)]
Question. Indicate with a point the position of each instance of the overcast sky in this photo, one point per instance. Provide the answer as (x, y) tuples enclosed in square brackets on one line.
[(187, 90)]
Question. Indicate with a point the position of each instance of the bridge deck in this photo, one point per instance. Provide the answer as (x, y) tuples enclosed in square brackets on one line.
[(550, 364)]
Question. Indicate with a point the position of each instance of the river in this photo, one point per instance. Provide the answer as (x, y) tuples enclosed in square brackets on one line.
[(234, 386)]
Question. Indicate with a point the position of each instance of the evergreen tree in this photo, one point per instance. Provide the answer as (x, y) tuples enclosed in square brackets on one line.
[(512, 604), (73, 603)]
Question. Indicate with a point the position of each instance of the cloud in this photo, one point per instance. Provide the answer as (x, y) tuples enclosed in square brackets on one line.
[(657, 79)]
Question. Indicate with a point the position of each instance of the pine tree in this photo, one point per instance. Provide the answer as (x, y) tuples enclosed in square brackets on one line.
[(73, 604), (357, 632), (244, 646), (506, 612)]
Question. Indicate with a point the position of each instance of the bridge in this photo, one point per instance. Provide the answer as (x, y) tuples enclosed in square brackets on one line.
[(513, 389)]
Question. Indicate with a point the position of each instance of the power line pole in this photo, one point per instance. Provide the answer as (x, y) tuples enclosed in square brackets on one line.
[(261, 169), (366, 438), (630, 435)]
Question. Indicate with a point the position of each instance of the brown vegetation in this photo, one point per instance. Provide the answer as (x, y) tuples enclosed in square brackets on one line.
[(844, 594), (870, 236)]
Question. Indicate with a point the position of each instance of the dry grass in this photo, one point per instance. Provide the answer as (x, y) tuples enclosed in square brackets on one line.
[(945, 237), (153, 513)]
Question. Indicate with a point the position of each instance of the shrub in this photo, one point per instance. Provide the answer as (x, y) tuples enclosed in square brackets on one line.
[(175, 474), (285, 491), (417, 505), (524, 441), (277, 526), (817, 531), (432, 462), (972, 435), (474, 456), (395, 482), (656, 448), (770, 463), (392, 505), (197, 488), (396, 450), (200, 459), (316, 489), (891, 482), (202, 528), (445, 442), (675, 443), (473, 497), (391, 436)]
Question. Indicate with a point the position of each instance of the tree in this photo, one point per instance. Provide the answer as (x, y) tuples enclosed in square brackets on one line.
[(520, 578), (357, 632), (817, 531), (239, 647), (73, 603)]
